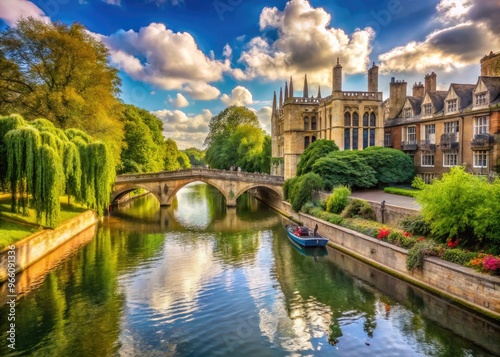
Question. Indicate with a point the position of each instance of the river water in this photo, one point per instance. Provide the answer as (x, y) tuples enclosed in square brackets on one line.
[(197, 279)]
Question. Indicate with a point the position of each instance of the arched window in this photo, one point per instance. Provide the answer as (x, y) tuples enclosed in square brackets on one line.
[(355, 119), (347, 119), (313, 123), (313, 139), (306, 123), (373, 119), (306, 142), (365, 119)]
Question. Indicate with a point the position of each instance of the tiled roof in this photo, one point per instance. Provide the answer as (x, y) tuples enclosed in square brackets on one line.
[(464, 93), (493, 86), (437, 99), (416, 104)]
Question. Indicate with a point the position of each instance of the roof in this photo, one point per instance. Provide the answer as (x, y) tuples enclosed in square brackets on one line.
[(493, 86), (437, 99), (464, 93), (416, 104)]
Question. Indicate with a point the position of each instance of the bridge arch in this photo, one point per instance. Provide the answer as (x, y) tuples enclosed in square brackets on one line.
[(173, 193), (122, 191), (258, 185)]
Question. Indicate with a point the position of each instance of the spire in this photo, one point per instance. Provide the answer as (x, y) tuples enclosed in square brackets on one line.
[(286, 91), (291, 87), (306, 89), (319, 91), (281, 97), (274, 102)]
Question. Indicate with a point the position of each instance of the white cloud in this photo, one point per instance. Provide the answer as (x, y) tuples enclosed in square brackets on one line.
[(264, 115), (187, 130), (113, 2), (12, 11), (180, 101), (470, 32), (241, 38), (239, 96), (227, 51), (170, 60), (302, 41)]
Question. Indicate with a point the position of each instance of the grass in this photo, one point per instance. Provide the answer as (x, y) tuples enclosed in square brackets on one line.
[(409, 192), (16, 226)]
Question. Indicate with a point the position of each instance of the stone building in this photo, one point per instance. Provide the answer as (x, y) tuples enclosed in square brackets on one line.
[(354, 120), (444, 128)]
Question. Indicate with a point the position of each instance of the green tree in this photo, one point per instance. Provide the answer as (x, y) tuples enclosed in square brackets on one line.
[(196, 156), (62, 73), (174, 159), (345, 168), (338, 199), (390, 165), (248, 143), (298, 190), (315, 151), (144, 141)]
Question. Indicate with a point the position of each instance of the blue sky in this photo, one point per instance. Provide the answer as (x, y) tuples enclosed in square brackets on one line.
[(186, 60)]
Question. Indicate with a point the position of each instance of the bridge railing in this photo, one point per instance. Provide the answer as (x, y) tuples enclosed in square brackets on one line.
[(212, 173)]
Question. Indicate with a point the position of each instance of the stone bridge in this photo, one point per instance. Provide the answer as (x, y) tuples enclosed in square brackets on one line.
[(164, 185)]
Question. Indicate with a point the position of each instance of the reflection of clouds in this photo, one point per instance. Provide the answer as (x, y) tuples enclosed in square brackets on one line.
[(192, 213), (294, 330)]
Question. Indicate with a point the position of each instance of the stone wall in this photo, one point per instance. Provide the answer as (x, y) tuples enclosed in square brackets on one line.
[(480, 292), (38, 245)]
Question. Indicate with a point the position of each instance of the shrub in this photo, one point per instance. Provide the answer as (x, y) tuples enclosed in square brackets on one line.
[(491, 264), (458, 256), (315, 151), (416, 225), (390, 165), (400, 191), (359, 208), (299, 190), (339, 199), (418, 252)]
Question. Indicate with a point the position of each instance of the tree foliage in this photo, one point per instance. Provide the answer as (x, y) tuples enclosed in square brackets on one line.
[(196, 156), (345, 168), (315, 151), (7, 123), (390, 165), (236, 138), (338, 199), (144, 142), (298, 190), (174, 159), (62, 73)]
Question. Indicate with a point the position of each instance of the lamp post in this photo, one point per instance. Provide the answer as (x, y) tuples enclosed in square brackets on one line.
[(382, 210)]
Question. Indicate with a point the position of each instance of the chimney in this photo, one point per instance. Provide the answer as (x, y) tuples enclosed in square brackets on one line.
[(430, 83), (337, 77), (397, 96), (373, 78), (305, 91), (490, 65), (418, 90)]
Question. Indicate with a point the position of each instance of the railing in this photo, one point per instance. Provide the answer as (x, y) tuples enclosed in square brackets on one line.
[(427, 145), (482, 141), (201, 172), (409, 145), (449, 141)]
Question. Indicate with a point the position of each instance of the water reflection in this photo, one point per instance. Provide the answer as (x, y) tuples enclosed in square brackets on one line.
[(198, 279)]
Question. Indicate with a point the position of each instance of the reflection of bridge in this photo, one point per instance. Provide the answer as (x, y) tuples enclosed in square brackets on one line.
[(164, 185)]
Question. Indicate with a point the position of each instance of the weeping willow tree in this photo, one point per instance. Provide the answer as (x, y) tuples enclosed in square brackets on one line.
[(22, 156), (7, 124), (72, 170)]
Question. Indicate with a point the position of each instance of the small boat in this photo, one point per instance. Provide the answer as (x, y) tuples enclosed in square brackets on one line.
[(305, 237), (308, 251)]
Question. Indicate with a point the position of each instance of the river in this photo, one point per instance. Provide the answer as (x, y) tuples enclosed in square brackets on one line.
[(200, 279)]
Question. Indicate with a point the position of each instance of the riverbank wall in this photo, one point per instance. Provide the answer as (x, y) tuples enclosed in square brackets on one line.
[(474, 290), (38, 245)]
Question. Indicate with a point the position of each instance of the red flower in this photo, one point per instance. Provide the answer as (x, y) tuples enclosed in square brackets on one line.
[(491, 263), (420, 239), (383, 232), (407, 234), (452, 243)]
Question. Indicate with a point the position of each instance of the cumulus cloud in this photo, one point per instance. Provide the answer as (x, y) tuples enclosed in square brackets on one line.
[(264, 115), (180, 101), (167, 59), (12, 11), (300, 40), (227, 51), (469, 32), (239, 96), (187, 130)]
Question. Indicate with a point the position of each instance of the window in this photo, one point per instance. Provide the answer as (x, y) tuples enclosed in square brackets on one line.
[(480, 158), (373, 119), (481, 125), (355, 133), (452, 106), (355, 119), (411, 134), (347, 139), (330, 120), (387, 140), (365, 119), (306, 123), (407, 112), (480, 99), (450, 158), (428, 159), (347, 119), (306, 142), (313, 123), (372, 137), (451, 127), (428, 109), (365, 138), (430, 133), (313, 139)]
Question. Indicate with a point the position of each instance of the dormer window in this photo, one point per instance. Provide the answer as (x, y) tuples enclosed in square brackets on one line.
[(480, 99), (452, 106), (428, 109), (407, 113)]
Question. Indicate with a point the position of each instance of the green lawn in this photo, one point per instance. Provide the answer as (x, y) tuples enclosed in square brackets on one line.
[(11, 232)]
